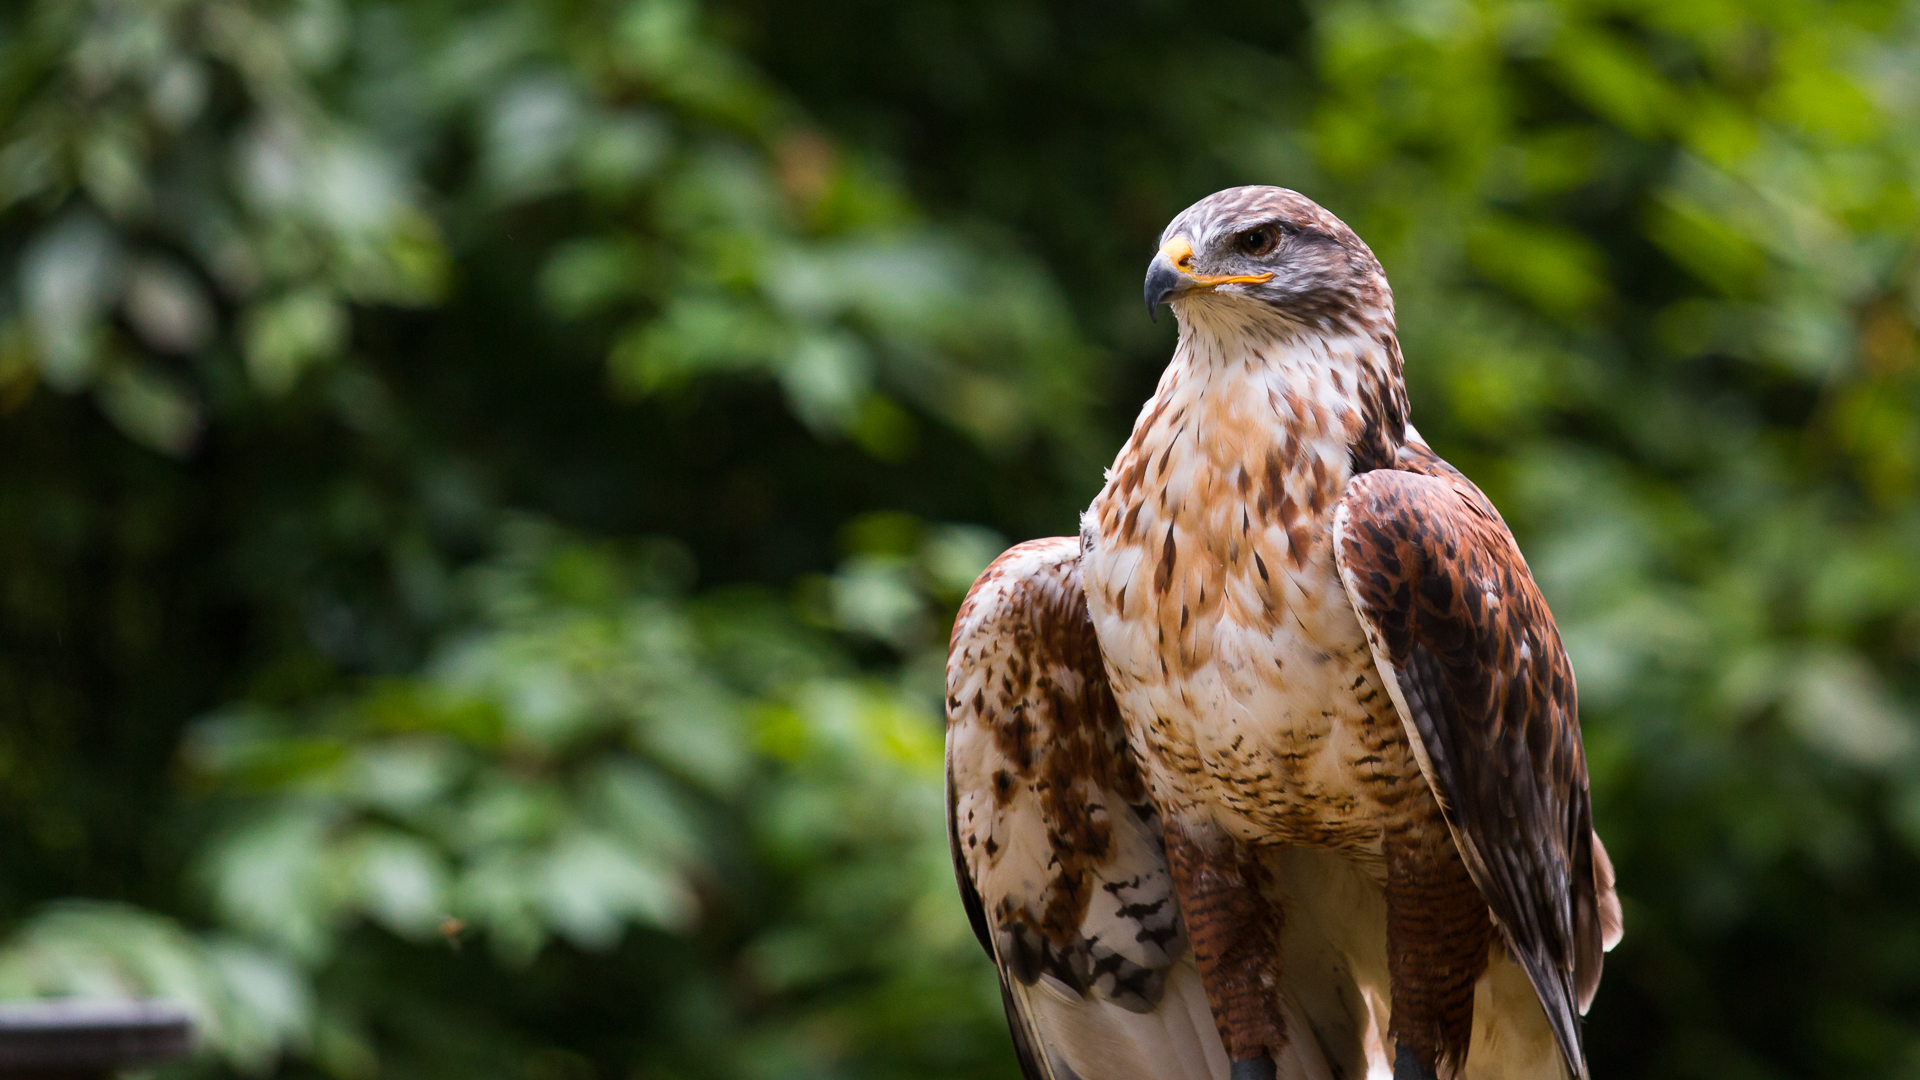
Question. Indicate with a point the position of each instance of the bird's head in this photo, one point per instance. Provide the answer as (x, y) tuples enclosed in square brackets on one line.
[(1268, 251)]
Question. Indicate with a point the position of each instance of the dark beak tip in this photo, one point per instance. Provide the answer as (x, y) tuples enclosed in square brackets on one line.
[(1162, 281)]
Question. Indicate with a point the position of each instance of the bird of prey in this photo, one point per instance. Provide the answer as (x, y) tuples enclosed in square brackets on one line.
[(1274, 771)]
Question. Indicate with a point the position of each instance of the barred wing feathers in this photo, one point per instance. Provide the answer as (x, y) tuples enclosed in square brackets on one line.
[(1473, 661), (1057, 850)]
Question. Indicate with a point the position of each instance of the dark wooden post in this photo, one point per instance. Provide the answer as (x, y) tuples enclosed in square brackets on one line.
[(89, 1038)]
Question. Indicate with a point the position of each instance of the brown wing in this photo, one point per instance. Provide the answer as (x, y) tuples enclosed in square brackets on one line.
[(1056, 848), (1466, 645)]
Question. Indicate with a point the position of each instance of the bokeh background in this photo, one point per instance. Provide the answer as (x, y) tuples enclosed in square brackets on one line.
[(483, 487)]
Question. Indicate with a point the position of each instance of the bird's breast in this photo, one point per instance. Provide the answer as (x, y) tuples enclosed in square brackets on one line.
[(1244, 676)]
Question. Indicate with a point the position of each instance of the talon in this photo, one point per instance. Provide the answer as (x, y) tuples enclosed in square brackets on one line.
[(1405, 1067), (1260, 1068)]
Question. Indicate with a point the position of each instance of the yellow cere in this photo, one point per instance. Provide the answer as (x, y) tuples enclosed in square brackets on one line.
[(1179, 251)]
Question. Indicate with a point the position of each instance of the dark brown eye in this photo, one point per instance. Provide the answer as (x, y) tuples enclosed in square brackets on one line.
[(1257, 242)]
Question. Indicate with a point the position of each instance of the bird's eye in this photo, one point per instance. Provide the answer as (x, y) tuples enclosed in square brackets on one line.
[(1257, 242)]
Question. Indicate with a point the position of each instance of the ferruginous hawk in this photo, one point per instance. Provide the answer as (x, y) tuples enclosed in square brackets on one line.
[(1275, 770)]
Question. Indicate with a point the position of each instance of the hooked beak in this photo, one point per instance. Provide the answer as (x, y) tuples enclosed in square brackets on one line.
[(1170, 276), (1163, 282)]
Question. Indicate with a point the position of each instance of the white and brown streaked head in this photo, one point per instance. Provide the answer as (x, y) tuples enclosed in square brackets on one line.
[(1273, 256), (1266, 275)]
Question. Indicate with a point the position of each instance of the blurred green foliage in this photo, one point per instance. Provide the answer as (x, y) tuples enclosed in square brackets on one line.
[(482, 486)]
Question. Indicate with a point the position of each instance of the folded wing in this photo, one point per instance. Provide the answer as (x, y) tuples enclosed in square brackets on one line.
[(1057, 850), (1469, 651)]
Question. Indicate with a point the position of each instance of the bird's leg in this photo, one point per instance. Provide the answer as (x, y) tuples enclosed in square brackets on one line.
[(1235, 932), (1438, 933)]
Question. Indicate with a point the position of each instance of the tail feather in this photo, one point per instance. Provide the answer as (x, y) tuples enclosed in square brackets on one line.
[(1613, 924)]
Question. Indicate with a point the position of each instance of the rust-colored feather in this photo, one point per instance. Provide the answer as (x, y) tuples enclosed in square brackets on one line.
[(1477, 667)]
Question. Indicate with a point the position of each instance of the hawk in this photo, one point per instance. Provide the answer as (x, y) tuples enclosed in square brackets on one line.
[(1275, 770)]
